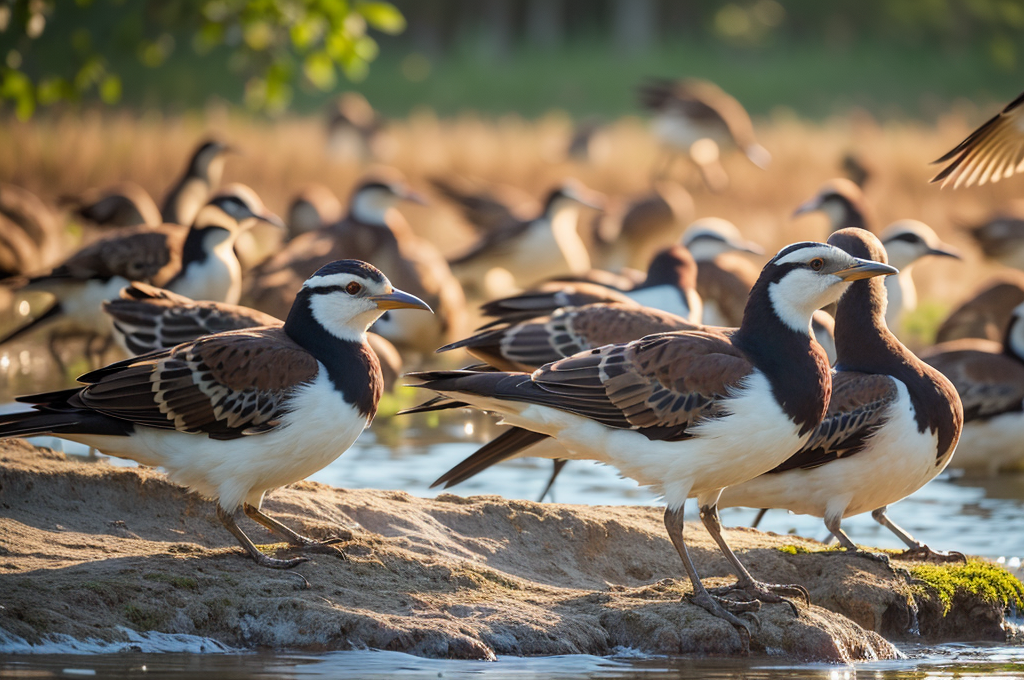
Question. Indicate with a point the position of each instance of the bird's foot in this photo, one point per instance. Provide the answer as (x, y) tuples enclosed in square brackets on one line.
[(770, 593), (720, 607), (924, 553), (265, 560)]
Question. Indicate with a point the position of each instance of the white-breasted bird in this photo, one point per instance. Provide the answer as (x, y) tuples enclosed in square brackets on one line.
[(149, 319), (234, 415), (724, 278), (196, 261), (906, 243), (697, 118), (372, 231), (1001, 237), (892, 424), (989, 377), (183, 200), (535, 249), (688, 413), (993, 152)]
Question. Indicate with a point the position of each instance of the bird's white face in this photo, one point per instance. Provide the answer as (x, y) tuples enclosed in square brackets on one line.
[(710, 237), (907, 241), (370, 205), (815, 276), (346, 305)]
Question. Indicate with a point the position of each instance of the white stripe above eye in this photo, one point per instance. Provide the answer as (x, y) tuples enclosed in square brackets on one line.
[(343, 279), (808, 252)]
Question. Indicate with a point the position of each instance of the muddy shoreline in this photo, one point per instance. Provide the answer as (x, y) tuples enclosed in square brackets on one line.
[(92, 551)]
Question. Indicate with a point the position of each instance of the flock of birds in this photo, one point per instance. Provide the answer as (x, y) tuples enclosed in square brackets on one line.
[(698, 376)]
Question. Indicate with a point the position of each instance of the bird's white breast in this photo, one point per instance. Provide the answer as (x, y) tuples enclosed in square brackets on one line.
[(82, 303), (753, 438), (897, 461), (991, 444), (666, 298), (217, 278), (318, 429)]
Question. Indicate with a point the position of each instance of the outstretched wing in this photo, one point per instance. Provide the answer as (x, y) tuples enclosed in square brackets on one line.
[(226, 386), (993, 152), (859, 406)]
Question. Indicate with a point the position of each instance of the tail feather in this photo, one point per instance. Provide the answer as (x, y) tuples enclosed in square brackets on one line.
[(59, 422), (51, 313), (503, 447)]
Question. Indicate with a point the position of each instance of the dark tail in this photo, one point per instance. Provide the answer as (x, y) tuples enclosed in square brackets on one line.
[(435, 404), (53, 312), (506, 445)]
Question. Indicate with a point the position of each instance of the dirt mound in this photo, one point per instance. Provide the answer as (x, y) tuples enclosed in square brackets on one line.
[(90, 550)]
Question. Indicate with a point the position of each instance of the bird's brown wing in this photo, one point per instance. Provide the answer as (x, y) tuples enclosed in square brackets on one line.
[(988, 383), (151, 254), (226, 386), (859, 406), (993, 152)]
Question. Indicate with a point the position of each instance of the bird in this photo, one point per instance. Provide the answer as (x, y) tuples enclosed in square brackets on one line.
[(374, 232), (197, 262), (534, 249), (724, 280), (314, 207), (855, 169), (149, 319), (906, 242), (892, 425), (686, 413), (31, 238), (234, 415), (183, 200), (352, 126), (989, 377), (498, 207), (125, 204), (993, 152), (697, 118), (648, 224), (670, 286), (1001, 238), (844, 204), (987, 313)]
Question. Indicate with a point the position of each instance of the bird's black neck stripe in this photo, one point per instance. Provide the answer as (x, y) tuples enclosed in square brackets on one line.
[(194, 250), (795, 365), (352, 366), (864, 344)]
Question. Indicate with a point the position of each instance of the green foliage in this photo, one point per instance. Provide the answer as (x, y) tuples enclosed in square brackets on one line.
[(983, 580), (793, 549), (269, 43)]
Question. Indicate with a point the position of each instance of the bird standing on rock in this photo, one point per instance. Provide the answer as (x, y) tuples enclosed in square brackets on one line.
[(686, 413), (891, 427), (234, 415)]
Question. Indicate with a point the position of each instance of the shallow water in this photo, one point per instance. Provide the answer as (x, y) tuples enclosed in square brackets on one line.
[(946, 661)]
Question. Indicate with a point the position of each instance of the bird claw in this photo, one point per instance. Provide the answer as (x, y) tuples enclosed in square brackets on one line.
[(924, 553), (274, 563), (770, 593), (716, 607), (881, 558)]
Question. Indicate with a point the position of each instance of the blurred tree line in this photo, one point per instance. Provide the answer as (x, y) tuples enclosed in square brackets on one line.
[(525, 55)]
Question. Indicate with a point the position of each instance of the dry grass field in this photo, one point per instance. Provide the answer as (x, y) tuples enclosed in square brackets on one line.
[(67, 154)]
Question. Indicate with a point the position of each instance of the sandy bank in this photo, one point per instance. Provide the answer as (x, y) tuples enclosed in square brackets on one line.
[(89, 549)]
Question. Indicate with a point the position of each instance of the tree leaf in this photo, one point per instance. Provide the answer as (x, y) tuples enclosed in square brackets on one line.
[(383, 16)]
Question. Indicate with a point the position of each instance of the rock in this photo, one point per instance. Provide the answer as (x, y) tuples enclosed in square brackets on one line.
[(95, 551)]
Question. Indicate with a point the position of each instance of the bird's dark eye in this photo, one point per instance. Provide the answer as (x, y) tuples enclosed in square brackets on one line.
[(352, 288), (817, 263)]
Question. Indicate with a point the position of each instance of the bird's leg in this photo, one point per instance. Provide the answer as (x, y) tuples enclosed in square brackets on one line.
[(257, 555), (296, 539), (559, 464), (764, 592), (757, 520), (915, 550), (832, 523), (95, 353), (54, 351), (701, 597)]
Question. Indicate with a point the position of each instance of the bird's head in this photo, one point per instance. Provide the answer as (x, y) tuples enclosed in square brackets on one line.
[(709, 237), (208, 161), (841, 200), (374, 197), (232, 210), (907, 241), (804, 277), (572, 194), (347, 296)]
